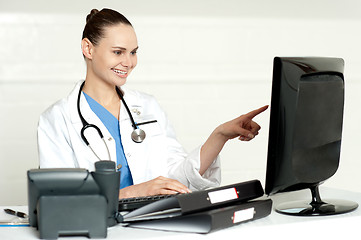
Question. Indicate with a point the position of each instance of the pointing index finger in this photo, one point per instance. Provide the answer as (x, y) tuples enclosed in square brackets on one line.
[(254, 113)]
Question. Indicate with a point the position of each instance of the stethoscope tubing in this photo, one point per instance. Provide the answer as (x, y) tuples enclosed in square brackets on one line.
[(143, 123), (126, 107), (138, 135), (86, 125)]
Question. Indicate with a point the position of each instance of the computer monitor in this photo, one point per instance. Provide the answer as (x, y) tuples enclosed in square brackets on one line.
[(305, 131)]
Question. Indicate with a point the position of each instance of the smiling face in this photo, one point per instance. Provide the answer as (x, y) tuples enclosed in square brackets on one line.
[(114, 57)]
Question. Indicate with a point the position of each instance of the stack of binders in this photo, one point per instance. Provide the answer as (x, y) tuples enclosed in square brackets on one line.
[(204, 211)]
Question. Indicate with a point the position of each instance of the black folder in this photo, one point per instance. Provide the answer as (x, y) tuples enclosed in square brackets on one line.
[(198, 201), (210, 220)]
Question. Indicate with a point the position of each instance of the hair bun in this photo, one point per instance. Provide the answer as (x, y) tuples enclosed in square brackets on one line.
[(91, 14)]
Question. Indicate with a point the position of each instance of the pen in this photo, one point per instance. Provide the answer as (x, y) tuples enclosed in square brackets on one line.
[(15, 213)]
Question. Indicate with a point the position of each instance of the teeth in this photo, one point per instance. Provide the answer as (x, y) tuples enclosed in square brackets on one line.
[(119, 71)]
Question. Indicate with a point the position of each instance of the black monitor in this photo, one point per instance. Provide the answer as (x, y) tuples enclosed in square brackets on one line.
[(305, 131)]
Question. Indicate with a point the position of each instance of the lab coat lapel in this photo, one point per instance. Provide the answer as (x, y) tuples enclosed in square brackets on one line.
[(134, 152)]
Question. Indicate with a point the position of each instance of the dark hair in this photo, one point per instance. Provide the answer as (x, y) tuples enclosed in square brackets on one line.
[(97, 21)]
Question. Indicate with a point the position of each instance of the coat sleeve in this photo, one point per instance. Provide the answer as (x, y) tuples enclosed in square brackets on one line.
[(54, 145), (183, 166)]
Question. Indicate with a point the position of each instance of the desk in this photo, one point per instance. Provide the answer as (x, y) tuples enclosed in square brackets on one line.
[(275, 226)]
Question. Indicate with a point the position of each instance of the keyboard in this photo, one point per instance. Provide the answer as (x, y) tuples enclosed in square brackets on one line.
[(130, 204)]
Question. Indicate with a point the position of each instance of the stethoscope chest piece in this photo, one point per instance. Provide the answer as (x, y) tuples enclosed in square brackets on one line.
[(138, 135)]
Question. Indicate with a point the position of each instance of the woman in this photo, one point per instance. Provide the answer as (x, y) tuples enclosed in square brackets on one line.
[(158, 165)]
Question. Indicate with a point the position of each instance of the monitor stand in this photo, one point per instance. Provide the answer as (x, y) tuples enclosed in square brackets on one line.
[(316, 207)]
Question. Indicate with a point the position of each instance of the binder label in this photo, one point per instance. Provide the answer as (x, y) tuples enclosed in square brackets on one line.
[(243, 215), (223, 195)]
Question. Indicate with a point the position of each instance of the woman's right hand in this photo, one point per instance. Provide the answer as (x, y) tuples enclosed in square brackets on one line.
[(158, 186)]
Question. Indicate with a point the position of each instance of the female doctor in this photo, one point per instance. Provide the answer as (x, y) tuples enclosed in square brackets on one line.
[(103, 120)]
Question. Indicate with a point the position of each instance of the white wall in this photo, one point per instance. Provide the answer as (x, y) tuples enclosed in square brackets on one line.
[(206, 61)]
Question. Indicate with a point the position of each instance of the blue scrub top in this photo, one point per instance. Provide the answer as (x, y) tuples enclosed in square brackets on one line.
[(112, 124)]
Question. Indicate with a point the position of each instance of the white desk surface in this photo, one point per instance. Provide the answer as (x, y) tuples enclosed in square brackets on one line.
[(275, 226)]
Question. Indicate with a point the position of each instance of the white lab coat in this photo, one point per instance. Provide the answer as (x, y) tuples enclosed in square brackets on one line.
[(60, 144)]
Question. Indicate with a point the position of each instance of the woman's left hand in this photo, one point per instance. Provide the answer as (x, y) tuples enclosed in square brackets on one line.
[(242, 127)]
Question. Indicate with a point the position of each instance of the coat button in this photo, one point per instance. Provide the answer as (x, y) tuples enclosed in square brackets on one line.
[(110, 139)]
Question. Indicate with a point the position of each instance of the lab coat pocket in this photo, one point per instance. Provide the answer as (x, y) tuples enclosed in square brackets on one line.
[(149, 125)]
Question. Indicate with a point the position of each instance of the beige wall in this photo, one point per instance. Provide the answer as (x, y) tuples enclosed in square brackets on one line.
[(205, 61)]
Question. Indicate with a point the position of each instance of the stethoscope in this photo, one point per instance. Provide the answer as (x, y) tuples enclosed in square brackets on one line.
[(138, 135)]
